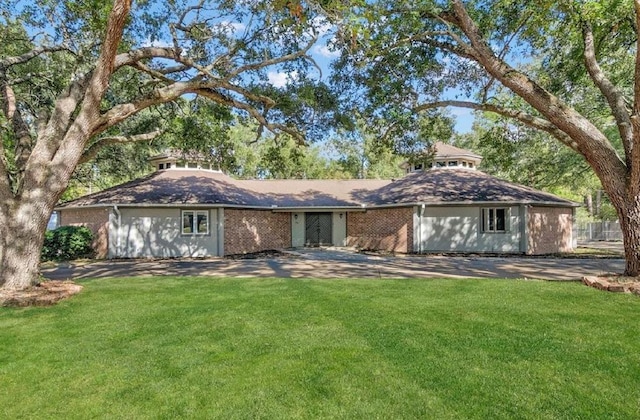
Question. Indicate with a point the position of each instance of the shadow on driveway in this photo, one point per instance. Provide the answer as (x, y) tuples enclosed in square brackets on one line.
[(344, 264)]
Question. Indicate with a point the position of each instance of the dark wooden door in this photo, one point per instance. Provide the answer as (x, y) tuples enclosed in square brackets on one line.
[(317, 229)]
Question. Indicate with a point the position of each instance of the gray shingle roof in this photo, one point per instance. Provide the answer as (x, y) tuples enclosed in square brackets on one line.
[(458, 186), (200, 187), (447, 150)]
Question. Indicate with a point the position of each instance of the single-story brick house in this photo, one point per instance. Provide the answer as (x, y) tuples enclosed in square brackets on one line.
[(187, 210)]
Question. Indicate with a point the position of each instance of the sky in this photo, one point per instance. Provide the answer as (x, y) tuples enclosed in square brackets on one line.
[(464, 119)]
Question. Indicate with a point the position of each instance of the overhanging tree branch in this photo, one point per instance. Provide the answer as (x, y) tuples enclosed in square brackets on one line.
[(256, 114), (267, 101), (460, 50), (155, 74), (458, 46), (131, 57), (208, 89), (95, 148), (523, 117), (65, 106), (278, 60), (503, 53), (613, 95), (160, 95), (7, 62)]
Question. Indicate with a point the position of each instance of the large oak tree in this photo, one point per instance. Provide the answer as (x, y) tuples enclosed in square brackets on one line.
[(415, 56), (71, 74)]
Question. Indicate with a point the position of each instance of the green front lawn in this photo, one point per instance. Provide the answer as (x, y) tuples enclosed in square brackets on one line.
[(284, 348)]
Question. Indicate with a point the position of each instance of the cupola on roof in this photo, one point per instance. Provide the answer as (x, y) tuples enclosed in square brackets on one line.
[(177, 159), (447, 156)]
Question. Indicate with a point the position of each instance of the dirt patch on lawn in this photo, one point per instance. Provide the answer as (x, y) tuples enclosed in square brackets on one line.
[(46, 293)]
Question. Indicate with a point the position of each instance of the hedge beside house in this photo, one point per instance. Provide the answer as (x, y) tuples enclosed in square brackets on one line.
[(67, 243)]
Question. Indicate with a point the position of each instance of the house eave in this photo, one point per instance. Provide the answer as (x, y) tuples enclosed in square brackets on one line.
[(500, 203), (362, 207), (311, 209)]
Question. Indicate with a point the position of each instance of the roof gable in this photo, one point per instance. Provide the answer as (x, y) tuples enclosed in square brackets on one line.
[(442, 186), (444, 150)]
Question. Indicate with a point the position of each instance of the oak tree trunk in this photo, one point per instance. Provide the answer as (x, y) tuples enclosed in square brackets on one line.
[(21, 243), (51, 159), (629, 218)]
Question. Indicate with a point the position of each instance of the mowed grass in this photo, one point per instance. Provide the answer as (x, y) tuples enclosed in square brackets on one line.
[(171, 347)]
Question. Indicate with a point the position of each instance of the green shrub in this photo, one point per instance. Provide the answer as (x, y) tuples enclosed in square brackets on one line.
[(67, 243)]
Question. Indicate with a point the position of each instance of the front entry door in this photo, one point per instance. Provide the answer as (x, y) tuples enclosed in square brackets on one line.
[(317, 229)]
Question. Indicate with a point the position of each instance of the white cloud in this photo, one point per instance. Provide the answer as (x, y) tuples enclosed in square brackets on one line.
[(235, 26), (281, 79), (321, 25), (324, 51), (158, 43)]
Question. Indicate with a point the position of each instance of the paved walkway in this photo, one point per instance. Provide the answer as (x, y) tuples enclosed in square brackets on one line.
[(334, 263)]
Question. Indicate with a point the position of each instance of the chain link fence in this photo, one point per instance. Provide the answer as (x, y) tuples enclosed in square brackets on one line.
[(597, 231)]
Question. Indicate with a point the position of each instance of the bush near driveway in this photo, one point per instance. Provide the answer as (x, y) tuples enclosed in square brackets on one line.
[(67, 243)]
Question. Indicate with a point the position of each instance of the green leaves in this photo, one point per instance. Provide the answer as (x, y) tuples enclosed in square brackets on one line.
[(67, 243), (528, 157), (202, 126)]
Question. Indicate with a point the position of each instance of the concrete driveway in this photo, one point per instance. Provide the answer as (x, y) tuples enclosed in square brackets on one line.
[(338, 263)]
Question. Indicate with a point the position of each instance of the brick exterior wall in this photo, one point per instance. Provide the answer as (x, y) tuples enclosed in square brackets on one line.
[(97, 220), (381, 229), (549, 230), (255, 230)]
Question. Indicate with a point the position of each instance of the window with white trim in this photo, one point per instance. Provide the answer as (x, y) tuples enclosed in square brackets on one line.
[(195, 222), (495, 219)]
